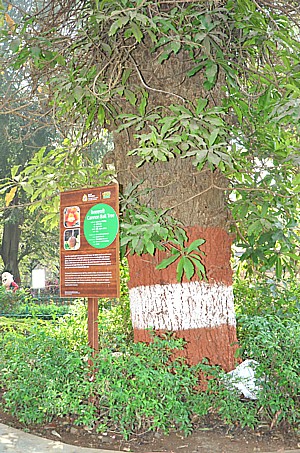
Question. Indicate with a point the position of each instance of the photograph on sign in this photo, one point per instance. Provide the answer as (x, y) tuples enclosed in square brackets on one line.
[(72, 239), (71, 216)]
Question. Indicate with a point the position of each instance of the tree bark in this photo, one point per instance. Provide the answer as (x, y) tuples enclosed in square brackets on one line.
[(200, 312), (10, 243)]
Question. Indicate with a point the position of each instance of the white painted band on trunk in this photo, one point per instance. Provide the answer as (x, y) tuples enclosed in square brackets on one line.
[(182, 306)]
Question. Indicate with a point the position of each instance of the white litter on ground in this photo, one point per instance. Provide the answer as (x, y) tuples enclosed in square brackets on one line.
[(243, 379)]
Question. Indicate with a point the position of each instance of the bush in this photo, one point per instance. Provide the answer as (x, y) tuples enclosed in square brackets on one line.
[(268, 326), (41, 378), (139, 387), (44, 371), (142, 389), (263, 297), (10, 301), (274, 343)]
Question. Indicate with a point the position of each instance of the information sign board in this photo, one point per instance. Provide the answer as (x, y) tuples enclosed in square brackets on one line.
[(89, 242)]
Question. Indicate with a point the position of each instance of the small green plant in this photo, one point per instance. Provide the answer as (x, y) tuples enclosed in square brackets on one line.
[(41, 378), (189, 259)]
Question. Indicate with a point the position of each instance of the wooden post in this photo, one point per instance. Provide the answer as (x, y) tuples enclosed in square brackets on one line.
[(93, 332)]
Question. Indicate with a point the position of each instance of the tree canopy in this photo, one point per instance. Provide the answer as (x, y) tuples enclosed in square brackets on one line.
[(88, 63)]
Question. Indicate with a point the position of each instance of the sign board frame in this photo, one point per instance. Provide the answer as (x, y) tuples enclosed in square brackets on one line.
[(89, 242)]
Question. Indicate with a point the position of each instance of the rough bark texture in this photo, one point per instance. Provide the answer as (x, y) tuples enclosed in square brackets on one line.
[(9, 248), (12, 221), (200, 312), (198, 200)]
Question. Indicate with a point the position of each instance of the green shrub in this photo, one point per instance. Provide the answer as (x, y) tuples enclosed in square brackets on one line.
[(141, 388), (41, 377), (269, 296), (137, 388), (10, 301), (268, 327), (43, 368), (22, 304), (274, 343)]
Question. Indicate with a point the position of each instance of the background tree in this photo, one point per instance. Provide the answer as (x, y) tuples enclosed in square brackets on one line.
[(21, 136), (202, 97)]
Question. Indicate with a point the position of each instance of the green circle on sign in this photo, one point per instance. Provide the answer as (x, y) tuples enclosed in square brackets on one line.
[(101, 226)]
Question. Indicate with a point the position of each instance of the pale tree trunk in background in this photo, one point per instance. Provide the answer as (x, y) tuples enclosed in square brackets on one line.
[(200, 312)]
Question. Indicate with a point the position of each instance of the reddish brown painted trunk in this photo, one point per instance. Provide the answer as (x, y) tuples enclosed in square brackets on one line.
[(200, 312), (217, 341)]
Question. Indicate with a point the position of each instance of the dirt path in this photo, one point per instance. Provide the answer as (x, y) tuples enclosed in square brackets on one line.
[(211, 436)]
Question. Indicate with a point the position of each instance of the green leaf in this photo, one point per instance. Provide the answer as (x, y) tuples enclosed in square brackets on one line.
[(136, 32), (188, 267), (35, 51), (167, 261), (130, 96), (15, 45), (278, 270), (150, 247), (213, 136), (195, 244), (201, 104), (255, 227), (179, 270), (101, 114), (264, 209), (125, 76), (27, 187), (142, 106), (201, 272), (200, 268), (118, 24), (211, 71), (14, 170), (296, 180), (175, 46)]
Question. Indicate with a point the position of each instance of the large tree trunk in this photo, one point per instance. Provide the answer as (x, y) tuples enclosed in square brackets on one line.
[(202, 312)]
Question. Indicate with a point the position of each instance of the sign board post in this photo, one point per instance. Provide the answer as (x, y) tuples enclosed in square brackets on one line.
[(89, 248)]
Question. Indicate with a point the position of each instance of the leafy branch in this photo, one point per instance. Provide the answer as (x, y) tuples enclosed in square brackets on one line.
[(144, 230)]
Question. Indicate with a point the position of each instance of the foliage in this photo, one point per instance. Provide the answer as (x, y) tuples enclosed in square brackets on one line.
[(274, 343), (268, 315), (10, 301), (139, 387), (250, 132), (58, 383), (22, 303), (266, 297), (145, 230)]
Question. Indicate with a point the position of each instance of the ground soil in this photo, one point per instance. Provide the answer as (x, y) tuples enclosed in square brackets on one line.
[(209, 436)]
